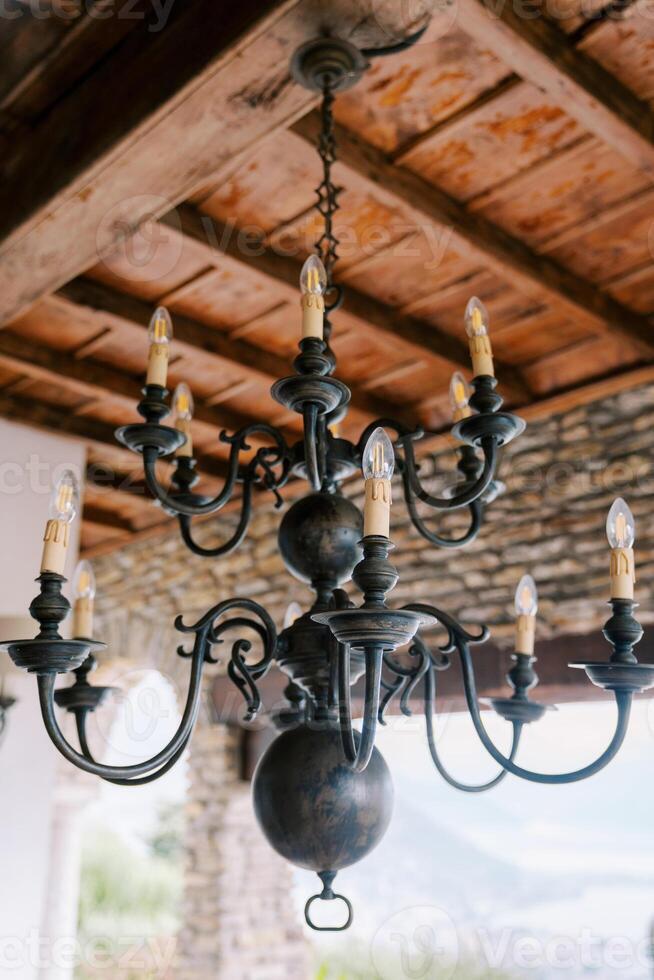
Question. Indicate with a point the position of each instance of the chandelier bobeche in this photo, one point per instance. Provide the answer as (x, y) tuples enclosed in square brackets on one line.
[(322, 791)]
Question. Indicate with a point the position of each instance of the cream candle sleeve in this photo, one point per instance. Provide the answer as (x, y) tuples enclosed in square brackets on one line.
[(377, 507)]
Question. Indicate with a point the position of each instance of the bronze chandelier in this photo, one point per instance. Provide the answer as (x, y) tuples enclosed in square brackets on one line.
[(322, 791)]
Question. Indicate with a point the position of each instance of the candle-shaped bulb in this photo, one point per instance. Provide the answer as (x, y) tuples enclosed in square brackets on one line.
[(183, 413), (83, 594), (160, 330), (476, 318), (313, 277), (293, 612), (64, 501), (526, 606), (84, 581), (526, 597), (64, 505), (476, 321), (313, 283), (460, 392), (621, 532), (160, 334), (183, 402), (620, 525), (378, 461)]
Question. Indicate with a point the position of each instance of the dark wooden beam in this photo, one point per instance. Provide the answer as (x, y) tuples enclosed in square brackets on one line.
[(92, 377), (106, 517), (285, 270), (211, 83), (17, 408), (541, 53), (510, 258)]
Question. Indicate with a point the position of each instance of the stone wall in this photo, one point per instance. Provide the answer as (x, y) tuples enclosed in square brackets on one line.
[(561, 477)]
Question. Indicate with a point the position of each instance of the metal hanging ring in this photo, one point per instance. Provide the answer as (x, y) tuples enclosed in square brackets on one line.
[(331, 898)]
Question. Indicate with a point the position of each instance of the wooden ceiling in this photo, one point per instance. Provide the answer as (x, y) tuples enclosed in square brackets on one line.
[(504, 156)]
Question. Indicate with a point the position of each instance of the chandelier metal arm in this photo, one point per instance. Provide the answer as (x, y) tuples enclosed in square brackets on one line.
[(623, 701), (476, 515), (245, 676), (80, 724), (430, 696), (467, 495), (191, 505), (358, 757), (185, 527), (46, 683)]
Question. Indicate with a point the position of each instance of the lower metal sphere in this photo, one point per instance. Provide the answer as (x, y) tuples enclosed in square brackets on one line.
[(312, 809), (319, 538)]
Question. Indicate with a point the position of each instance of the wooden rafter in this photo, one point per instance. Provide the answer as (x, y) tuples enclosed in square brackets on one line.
[(18, 408), (534, 274), (92, 377), (540, 52)]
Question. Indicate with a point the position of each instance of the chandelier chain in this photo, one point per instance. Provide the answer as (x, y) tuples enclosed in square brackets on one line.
[(328, 192)]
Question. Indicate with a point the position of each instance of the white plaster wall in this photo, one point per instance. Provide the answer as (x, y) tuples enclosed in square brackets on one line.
[(29, 462)]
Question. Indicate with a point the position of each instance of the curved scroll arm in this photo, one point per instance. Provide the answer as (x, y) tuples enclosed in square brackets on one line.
[(358, 757), (237, 442), (80, 722), (473, 530), (232, 543), (242, 674), (430, 696), (469, 493), (459, 639), (623, 702), (46, 683)]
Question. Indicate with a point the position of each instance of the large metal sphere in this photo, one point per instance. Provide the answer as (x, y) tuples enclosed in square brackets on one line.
[(319, 538), (312, 809)]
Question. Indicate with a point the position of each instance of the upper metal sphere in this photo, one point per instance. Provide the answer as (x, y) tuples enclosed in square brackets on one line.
[(319, 538), (312, 809)]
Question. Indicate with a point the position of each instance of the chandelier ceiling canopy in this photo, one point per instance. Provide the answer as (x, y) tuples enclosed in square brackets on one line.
[(322, 791)]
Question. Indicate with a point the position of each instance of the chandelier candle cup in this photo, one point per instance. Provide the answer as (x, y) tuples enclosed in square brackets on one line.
[(64, 505), (183, 412), (460, 392), (160, 334), (476, 321), (378, 462), (313, 283), (620, 530), (526, 607), (84, 596)]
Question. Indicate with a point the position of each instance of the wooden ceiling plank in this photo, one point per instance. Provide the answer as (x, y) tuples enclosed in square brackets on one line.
[(510, 258), (540, 52), (285, 270)]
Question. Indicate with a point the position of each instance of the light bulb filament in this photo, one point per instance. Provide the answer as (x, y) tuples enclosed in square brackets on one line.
[(160, 331), (378, 458)]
